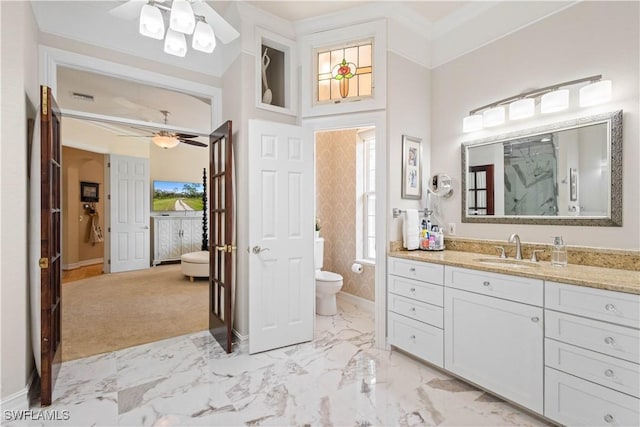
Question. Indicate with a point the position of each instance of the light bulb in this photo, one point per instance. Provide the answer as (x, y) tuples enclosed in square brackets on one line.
[(182, 19), (175, 43), (522, 108), (557, 100), (595, 93), (493, 116), (151, 22), (472, 123), (204, 39)]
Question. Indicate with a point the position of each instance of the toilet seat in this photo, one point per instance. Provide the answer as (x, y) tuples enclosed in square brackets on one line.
[(328, 276)]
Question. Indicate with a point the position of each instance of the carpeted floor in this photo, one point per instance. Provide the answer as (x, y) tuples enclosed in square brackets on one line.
[(114, 311)]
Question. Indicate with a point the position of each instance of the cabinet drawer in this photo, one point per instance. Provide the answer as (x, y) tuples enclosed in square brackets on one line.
[(614, 340), (515, 288), (615, 307), (599, 368), (575, 402), (417, 338), (416, 310), (418, 270), (421, 291)]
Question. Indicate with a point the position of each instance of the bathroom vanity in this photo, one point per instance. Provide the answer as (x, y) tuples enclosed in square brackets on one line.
[(561, 342)]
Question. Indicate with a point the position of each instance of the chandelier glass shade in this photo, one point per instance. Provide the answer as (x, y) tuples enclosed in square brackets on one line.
[(164, 140), (182, 21)]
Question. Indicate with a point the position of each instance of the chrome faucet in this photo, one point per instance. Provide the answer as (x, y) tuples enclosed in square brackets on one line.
[(515, 238)]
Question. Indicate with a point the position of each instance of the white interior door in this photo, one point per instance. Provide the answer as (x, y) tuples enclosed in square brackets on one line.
[(129, 213), (281, 225)]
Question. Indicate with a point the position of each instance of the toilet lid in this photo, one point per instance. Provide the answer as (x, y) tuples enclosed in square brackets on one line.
[(327, 276)]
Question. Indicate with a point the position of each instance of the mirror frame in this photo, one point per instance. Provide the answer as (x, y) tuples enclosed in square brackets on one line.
[(614, 124)]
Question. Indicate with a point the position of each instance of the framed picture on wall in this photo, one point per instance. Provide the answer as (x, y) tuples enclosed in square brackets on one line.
[(411, 167), (89, 192)]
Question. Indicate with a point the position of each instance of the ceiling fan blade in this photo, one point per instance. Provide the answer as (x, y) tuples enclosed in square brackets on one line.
[(196, 143), (185, 135), (129, 10), (222, 29)]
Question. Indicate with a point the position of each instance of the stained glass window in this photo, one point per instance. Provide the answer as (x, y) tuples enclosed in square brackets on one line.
[(345, 72)]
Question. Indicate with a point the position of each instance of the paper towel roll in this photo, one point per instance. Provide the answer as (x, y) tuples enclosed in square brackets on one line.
[(356, 268)]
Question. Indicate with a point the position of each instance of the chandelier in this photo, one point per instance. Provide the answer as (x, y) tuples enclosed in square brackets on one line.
[(182, 21)]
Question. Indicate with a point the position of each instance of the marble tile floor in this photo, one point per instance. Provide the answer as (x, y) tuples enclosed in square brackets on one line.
[(337, 379)]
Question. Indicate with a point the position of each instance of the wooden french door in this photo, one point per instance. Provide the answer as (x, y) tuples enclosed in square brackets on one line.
[(50, 249), (481, 199), (221, 242)]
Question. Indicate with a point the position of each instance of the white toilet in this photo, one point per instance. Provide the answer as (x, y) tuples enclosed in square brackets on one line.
[(328, 284)]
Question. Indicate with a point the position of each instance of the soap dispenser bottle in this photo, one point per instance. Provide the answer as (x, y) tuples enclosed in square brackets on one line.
[(558, 252)]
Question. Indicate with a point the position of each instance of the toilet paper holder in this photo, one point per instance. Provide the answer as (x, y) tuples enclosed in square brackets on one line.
[(357, 268)]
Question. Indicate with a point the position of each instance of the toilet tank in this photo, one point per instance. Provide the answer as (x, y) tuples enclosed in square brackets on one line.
[(319, 253)]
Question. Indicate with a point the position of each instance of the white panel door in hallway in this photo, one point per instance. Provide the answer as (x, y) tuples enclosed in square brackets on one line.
[(129, 213), (281, 227)]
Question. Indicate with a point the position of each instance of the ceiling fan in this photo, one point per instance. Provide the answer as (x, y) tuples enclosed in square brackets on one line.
[(166, 139), (186, 17)]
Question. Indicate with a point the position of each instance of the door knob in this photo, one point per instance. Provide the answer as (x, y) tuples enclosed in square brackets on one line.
[(257, 249)]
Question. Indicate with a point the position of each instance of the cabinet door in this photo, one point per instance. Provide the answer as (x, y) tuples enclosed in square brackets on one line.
[(176, 239), (497, 344), (163, 238), (195, 243)]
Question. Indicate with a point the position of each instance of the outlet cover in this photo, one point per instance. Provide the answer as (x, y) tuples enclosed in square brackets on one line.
[(451, 229)]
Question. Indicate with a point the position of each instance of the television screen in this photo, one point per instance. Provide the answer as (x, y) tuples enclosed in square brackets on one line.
[(177, 196)]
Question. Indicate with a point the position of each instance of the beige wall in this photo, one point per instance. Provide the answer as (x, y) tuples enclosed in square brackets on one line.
[(586, 39), (18, 94), (408, 113), (77, 166), (336, 209)]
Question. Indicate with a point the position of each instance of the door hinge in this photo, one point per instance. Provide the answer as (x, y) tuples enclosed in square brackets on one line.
[(109, 164), (108, 196), (226, 248), (109, 262), (43, 262), (108, 229)]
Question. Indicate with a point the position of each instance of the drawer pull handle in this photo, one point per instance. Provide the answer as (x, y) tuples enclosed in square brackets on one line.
[(610, 307), (412, 289), (608, 418), (412, 269), (535, 319), (609, 373), (413, 337), (413, 309), (487, 283), (610, 340)]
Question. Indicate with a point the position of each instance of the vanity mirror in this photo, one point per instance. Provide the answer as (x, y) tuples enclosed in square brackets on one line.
[(567, 173)]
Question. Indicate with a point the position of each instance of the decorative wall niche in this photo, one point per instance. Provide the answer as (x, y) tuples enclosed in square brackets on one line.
[(274, 72)]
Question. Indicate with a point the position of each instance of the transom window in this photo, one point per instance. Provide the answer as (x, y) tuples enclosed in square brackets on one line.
[(344, 73)]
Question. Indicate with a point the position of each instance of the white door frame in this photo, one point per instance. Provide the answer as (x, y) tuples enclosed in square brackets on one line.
[(379, 120)]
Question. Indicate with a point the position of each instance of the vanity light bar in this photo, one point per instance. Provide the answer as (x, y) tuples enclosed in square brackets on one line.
[(553, 99)]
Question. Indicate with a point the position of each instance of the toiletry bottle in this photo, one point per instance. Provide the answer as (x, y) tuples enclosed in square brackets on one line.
[(558, 252), (440, 239)]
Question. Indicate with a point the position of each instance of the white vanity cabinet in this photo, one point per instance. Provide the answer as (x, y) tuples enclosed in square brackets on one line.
[(592, 356), (174, 236), (415, 313), (491, 337)]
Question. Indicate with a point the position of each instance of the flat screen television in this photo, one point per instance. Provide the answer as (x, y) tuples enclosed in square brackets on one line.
[(177, 196)]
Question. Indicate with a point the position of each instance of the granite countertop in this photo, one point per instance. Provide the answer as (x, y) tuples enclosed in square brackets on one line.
[(595, 277)]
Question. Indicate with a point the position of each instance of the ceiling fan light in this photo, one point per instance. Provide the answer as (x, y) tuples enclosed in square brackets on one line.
[(557, 100), (522, 108), (175, 43), (595, 93), (151, 22), (472, 123), (165, 141), (182, 18), (203, 39)]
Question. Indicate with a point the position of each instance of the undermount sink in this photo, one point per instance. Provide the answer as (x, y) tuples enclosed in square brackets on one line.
[(508, 262)]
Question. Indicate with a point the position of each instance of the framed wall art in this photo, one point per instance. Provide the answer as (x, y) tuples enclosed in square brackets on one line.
[(411, 167)]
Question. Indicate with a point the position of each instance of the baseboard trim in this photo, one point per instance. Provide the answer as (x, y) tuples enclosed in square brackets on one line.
[(240, 336), (20, 399), (84, 263), (364, 304)]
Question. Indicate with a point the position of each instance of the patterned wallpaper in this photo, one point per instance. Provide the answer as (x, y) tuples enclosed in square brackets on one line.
[(336, 204)]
